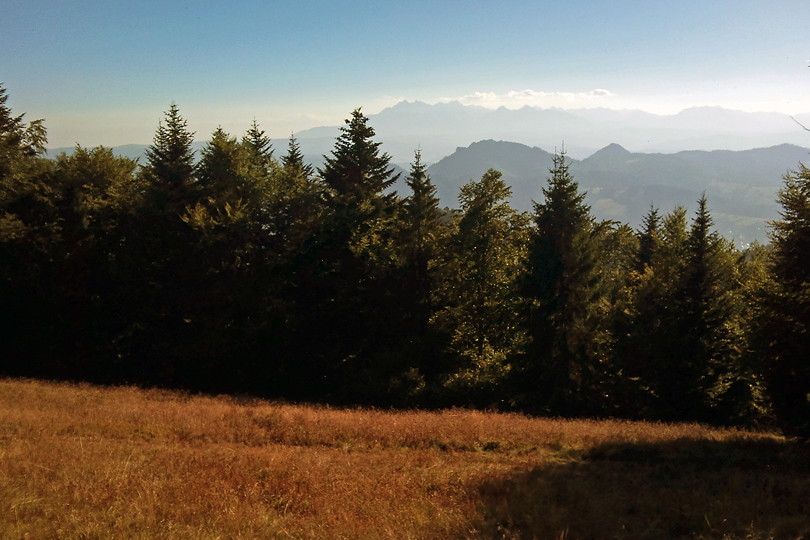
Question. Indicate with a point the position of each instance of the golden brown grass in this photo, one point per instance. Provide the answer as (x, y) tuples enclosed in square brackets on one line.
[(78, 461)]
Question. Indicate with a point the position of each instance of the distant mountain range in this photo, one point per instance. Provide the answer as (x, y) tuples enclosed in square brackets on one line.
[(741, 186), (441, 128)]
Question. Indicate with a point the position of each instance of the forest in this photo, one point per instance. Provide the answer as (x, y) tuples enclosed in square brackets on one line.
[(245, 271)]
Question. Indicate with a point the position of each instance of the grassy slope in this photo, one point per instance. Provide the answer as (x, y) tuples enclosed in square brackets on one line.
[(82, 461)]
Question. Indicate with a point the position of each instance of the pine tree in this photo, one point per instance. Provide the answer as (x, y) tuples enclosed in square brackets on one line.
[(261, 149), (560, 286), (169, 166), (357, 171), (293, 161), (421, 237), (699, 350), (786, 317), (347, 284), (649, 239)]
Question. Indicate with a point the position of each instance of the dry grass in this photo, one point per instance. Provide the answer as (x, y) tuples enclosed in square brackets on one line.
[(78, 461)]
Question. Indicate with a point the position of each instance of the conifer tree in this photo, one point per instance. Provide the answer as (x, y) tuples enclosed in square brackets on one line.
[(163, 260), (169, 166), (560, 286), (259, 143), (422, 238), (222, 168), (698, 348), (356, 170), (293, 161), (29, 227), (350, 267), (19, 143), (786, 317), (262, 173), (649, 239)]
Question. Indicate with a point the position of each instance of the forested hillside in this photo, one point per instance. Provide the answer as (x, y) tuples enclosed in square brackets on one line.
[(245, 270)]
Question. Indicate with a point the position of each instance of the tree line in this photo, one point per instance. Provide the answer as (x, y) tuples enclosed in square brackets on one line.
[(246, 271)]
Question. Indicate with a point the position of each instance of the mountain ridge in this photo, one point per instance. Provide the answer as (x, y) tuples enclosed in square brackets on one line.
[(621, 185)]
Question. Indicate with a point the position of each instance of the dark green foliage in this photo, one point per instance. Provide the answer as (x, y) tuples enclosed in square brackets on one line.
[(241, 273), (421, 231), (293, 161), (561, 286), (480, 293), (678, 337), (258, 145), (346, 291), (19, 143), (786, 322), (699, 360), (170, 163), (649, 239), (357, 171), (59, 262)]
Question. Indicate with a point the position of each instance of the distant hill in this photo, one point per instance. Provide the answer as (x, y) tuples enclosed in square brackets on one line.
[(741, 186)]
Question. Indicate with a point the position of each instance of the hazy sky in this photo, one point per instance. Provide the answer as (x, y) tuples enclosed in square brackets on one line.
[(103, 72)]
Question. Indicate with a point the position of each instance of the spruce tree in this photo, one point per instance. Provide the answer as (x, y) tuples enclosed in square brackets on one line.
[(167, 285), (560, 287), (356, 170), (19, 143), (786, 315), (293, 161), (261, 149), (349, 269), (421, 239), (649, 239), (222, 168), (169, 166), (699, 348)]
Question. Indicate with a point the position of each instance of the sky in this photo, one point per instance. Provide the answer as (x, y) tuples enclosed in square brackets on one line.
[(103, 72)]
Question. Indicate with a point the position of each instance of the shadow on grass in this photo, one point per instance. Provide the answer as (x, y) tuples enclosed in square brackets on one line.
[(687, 488)]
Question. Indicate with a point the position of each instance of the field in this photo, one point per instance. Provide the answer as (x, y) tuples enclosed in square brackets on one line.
[(78, 461)]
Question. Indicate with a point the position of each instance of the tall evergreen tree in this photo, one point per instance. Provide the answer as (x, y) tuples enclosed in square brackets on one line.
[(293, 161), (786, 317), (649, 239), (163, 260), (19, 143), (170, 164), (258, 143), (29, 228), (222, 168), (561, 285), (349, 270), (698, 351), (356, 170), (422, 236)]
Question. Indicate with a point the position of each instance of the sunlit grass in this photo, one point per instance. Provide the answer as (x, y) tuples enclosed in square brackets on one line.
[(79, 461)]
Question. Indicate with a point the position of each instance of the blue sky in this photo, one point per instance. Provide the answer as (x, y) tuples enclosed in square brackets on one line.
[(102, 72)]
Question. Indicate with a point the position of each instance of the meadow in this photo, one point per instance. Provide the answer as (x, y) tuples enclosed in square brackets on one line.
[(82, 461)]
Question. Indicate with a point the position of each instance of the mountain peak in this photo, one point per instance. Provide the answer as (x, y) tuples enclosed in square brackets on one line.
[(611, 151)]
